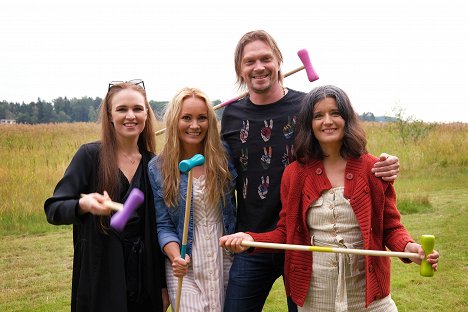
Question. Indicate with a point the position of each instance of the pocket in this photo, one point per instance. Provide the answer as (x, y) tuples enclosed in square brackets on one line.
[(317, 203)]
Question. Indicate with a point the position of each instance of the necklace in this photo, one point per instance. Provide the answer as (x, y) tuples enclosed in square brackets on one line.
[(284, 91), (128, 157)]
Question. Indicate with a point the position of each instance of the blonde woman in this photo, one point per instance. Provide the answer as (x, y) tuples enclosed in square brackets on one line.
[(192, 128)]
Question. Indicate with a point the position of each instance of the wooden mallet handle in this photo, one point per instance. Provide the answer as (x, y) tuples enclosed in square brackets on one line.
[(110, 204), (186, 166), (363, 252), (427, 243)]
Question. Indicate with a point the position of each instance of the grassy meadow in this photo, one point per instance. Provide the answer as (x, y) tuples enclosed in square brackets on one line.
[(36, 257)]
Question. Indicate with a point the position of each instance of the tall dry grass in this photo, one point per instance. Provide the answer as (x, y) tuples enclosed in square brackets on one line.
[(32, 160), (35, 269), (34, 157)]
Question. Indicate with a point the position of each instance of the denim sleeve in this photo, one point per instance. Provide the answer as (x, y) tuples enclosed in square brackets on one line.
[(165, 225)]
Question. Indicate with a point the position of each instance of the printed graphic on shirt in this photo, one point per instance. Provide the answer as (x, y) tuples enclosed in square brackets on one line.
[(265, 160), (288, 156), (288, 129), (244, 132), (266, 131), (263, 187), (244, 158), (244, 187)]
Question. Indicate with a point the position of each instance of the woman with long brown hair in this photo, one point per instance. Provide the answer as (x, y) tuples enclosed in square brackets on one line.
[(113, 271)]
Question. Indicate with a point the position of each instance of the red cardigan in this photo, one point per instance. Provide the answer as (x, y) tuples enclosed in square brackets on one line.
[(374, 203)]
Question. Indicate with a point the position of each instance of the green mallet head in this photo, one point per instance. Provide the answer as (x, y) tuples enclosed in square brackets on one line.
[(427, 243)]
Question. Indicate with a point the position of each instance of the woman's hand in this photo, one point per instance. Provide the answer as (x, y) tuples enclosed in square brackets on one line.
[(94, 204), (432, 258), (233, 242), (180, 266), (387, 168)]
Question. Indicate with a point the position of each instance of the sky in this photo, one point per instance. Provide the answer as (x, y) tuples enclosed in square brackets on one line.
[(400, 54)]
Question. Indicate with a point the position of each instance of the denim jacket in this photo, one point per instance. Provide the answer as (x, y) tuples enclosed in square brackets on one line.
[(170, 220)]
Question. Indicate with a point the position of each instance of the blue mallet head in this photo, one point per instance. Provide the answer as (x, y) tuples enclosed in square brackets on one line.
[(187, 164)]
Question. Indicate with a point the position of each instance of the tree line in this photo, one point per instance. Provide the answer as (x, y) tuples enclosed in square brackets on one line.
[(62, 109), (85, 109)]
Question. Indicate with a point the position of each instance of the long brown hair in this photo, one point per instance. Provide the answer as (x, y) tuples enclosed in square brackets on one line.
[(306, 145), (216, 163), (108, 172)]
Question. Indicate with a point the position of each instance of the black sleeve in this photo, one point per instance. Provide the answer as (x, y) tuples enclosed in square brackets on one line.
[(61, 208)]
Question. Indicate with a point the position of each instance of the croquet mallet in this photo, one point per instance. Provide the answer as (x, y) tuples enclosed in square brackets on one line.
[(186, 166), (427, 243), (119, 219), (307, 65)]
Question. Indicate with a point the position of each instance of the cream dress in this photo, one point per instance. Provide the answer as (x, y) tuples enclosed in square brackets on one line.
[(204, 286), (338, 280)]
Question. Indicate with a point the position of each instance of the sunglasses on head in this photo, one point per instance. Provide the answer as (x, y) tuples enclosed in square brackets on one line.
[(136, 82)]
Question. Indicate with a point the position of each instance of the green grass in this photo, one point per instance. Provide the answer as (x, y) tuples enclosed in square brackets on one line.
[(36, 258)]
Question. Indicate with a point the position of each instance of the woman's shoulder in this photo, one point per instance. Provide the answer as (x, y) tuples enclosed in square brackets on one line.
[(154, 167), (297, 169), (156, 159), (91, 146), (90, 149), (367, 162), (369, 158)]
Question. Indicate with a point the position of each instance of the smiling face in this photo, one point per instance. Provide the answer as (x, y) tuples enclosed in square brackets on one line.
[(327, 123), (259, 67), (193, 124), (128, 114)]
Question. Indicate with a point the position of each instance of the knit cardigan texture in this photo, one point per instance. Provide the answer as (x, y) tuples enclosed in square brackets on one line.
[(374, 203)]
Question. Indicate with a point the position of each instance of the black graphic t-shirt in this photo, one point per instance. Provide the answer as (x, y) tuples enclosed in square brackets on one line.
[(260, 138)]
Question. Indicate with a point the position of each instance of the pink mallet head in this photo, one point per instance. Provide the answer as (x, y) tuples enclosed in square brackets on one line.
[(134, 200), (304, 56)]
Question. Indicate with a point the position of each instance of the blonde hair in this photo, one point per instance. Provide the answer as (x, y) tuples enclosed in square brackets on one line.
[(216, 161)]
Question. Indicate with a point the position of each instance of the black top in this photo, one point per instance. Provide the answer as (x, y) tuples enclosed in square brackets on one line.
[(100, 262), (261, 141)]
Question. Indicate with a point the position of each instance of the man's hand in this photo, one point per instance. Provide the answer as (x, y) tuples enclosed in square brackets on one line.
[(387, 168)]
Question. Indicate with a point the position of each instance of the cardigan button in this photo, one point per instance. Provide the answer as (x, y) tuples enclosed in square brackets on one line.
[(371, 268), (299, 229), (292, 268), (318, 171), (349, 176), (366, 189)]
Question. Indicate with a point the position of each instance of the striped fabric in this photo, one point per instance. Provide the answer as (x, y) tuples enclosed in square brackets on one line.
[(338, 280), (204, 286)]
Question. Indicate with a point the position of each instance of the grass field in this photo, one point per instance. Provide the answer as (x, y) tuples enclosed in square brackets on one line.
[(36, 258)]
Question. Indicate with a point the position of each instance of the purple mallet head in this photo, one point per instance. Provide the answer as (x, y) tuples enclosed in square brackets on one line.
[(134, 200)]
